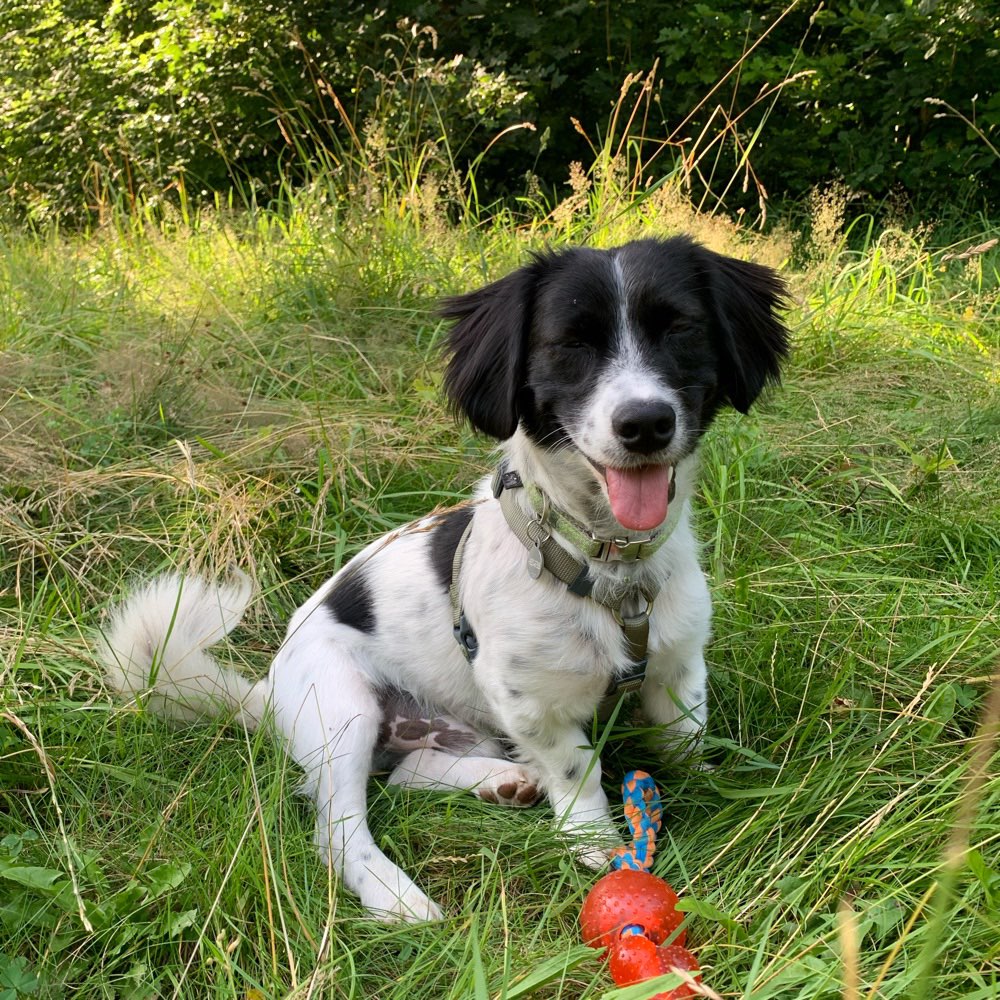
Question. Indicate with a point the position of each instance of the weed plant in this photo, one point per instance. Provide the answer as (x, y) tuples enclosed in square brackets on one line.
[(261, 389)]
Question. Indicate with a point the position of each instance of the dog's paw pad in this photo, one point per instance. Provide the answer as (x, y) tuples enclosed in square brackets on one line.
[(516, 787)]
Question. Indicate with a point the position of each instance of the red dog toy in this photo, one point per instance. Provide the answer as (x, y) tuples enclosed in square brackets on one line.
[(630, 912)]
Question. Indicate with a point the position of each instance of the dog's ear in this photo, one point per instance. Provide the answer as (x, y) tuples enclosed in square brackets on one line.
[(487, 347), (746, 298)]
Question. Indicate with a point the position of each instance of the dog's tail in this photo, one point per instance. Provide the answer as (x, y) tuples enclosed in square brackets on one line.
[(154, 648)]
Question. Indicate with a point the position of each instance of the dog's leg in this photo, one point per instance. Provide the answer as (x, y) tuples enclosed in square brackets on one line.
[(571, 773), (674, 696), (490, 778), (330, 717), (573, 780)]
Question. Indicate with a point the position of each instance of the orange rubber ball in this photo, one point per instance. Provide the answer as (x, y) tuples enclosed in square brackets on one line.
[(627, 897), (635, 958)]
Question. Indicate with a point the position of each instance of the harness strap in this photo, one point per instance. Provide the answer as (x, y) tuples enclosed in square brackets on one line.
[(535, 534), (464, 635)]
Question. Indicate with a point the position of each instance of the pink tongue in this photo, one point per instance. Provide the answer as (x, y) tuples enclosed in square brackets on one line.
[(639, 496)]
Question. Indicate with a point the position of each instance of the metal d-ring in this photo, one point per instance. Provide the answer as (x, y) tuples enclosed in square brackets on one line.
[(540, 520), (545, 535), (620, 619)]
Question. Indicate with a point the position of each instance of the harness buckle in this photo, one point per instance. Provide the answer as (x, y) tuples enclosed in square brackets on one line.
[(466, 638), (504, 479), (631, 682), (619, 687), (621, 549)]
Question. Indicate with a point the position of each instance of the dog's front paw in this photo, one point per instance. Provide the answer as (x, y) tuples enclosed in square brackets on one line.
[(412, 907), (515, 786), (594, 858), (387, 892), (592, 843)]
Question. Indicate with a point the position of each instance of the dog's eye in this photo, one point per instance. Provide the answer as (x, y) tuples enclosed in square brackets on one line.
[(572, 343), (664, 321), (676, 326)]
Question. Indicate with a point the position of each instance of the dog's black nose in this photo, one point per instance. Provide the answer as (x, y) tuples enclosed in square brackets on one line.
[(645, 426)]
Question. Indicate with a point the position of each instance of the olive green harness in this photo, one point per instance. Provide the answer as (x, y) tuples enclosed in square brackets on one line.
[(535, 532)]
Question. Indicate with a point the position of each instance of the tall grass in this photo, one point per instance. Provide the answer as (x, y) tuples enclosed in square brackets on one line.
[(260, 388)]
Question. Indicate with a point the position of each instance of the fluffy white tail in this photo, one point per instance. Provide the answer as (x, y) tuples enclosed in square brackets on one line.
[(155, 645)]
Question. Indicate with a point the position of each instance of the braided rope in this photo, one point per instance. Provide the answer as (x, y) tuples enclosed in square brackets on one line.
[(644, 816)]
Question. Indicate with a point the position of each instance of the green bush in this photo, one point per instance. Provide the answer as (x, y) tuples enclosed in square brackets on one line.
[(854, 107), (127, 100), (857, 106), (130, 100)]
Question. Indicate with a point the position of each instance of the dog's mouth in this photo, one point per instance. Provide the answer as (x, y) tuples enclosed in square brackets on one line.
[(639, 496)]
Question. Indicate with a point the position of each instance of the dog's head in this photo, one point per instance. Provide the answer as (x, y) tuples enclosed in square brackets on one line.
[(621, 356)]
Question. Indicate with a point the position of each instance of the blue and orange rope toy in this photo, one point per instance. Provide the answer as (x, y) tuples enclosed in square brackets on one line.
[(644, 815)]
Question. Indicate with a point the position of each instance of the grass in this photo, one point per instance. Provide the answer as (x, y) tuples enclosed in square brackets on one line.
[(262, 390)]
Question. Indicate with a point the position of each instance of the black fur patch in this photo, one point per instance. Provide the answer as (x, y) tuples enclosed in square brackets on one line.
[(444, 540), (487, 343), (350, 601)]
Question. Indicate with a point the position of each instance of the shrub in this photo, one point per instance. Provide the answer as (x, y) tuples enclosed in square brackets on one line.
[(130, 100)]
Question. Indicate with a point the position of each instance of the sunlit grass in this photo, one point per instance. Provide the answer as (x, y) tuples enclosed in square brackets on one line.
[(262, 390)]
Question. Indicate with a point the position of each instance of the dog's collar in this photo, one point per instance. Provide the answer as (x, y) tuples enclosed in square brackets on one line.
[(555, 521)]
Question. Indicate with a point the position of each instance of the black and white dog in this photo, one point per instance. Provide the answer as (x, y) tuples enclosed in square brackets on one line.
[(599, 370)]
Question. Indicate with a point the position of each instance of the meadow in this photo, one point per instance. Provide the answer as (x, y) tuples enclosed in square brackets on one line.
[(261, 389)]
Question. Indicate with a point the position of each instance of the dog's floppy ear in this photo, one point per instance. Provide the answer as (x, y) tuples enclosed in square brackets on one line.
[(753, 339), (487, 344)]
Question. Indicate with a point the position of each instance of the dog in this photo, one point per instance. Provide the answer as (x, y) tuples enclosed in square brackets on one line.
[(471, 649)]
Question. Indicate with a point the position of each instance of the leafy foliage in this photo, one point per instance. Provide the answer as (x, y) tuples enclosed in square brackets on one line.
[(130, 100), (133, 100), (833, 89)]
